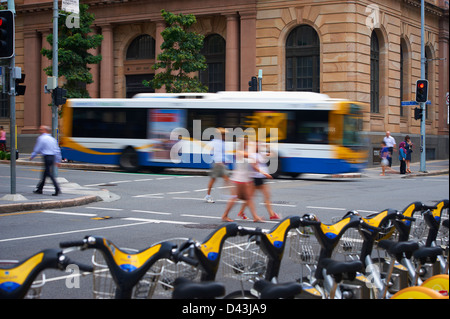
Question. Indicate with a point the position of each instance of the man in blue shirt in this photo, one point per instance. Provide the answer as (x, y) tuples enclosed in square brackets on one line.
[(48, 147)]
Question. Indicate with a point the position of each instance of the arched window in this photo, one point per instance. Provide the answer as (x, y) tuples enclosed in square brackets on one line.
[(143, 47), (214, 51), (303, 60), (374, 73), (403, 75)]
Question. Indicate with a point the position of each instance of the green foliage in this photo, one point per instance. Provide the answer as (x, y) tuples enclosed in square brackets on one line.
[(180, 56), (73, 53)]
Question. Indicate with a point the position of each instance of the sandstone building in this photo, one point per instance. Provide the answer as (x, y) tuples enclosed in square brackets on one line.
[(367, 51)]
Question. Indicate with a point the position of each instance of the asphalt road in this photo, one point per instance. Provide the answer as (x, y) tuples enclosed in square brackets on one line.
[(148, 208)]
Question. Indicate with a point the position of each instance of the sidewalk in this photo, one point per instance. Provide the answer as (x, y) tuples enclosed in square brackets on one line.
[(76, 195), (435, 167), (72, 194)]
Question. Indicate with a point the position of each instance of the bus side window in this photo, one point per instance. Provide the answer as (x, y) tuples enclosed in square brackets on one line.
[(312, 127)]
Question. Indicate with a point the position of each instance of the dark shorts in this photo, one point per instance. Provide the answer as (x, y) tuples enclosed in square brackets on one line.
[(258, 181)]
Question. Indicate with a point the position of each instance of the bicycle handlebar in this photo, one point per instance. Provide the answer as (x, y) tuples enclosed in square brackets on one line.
[(64, 261), (177, 254), (74, 243)]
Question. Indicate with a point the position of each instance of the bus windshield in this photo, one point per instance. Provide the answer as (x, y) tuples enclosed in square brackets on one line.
[(352, 128)]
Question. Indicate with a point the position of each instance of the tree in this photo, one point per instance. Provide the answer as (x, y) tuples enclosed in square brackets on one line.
[(180, 56), (74, 44)]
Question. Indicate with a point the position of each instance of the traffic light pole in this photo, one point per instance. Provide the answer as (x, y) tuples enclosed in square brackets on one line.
[(422, 105), (55, 74), (12, 101)]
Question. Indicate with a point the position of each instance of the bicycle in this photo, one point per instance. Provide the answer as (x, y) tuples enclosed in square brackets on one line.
[(258, 261), (427, 231), (400, 252), (313, 247), (131, 274), (18, 279)]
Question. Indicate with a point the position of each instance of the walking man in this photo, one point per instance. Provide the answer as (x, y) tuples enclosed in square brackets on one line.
[(47, 146), (219, 168)]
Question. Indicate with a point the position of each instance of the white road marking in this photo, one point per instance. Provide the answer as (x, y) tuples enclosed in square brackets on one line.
[(75, 231), (200, 216), (68, 213), (157, 195), (330, 208), (150, 212), (105, 208), (159, 221)]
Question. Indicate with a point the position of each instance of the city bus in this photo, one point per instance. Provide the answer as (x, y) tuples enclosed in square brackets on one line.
[(313, 133)]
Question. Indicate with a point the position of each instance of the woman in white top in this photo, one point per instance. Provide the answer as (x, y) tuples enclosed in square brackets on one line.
[(242, 183), (259, 175)]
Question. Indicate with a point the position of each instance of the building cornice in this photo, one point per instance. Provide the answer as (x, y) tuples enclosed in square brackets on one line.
[(429, 7)]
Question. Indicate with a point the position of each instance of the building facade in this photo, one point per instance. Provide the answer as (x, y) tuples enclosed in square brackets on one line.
[(367, 51)]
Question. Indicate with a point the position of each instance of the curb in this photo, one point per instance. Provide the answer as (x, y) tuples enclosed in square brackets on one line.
[(435, 173), (17, 207)]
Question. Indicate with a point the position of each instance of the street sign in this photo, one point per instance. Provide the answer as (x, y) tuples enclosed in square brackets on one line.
[(71, 6)]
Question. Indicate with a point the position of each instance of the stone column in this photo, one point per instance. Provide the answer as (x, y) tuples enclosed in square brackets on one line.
[(443, 126), (248, 48), (94, 88), (46, 99), (232, 54), (32, 69), (160, 26), (107, 64)]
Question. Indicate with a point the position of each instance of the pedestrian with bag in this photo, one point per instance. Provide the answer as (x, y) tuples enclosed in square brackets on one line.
[(390, 144), (384, 154)]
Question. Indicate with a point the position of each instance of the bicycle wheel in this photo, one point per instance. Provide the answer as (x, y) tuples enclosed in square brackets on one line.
[(240, 294)]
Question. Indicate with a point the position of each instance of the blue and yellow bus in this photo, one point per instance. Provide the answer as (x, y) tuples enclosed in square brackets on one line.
[(315, 133)]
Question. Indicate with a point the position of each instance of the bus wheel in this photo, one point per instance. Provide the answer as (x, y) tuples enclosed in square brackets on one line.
[(129, 160)]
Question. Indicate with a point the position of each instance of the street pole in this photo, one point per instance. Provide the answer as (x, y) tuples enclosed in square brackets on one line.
[(55, 75), (12, 101), (422, 76)]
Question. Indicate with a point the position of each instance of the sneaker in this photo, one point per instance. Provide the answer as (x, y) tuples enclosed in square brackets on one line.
[(209, 199), (276, 216)]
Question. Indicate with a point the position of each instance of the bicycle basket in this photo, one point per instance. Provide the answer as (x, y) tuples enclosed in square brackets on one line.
[(243, 260), (105, 287), (350, 243), (35, 290), (172, 271), (304, 247)]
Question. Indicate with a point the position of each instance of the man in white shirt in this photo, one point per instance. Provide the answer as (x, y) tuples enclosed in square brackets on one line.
[(219, 168), (390, 144), (47, 146)]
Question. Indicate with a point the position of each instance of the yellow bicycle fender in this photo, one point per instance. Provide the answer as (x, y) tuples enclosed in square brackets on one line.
[(438, 283), (277, 236), (418, 293), (334, 230), (129, 262), (12, 278), (212, 247)]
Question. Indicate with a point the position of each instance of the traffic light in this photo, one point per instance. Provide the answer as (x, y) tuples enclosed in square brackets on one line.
[(6, 34), (421, 91), (418, 111), (59, 96), (253, 84), (20, 89)]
